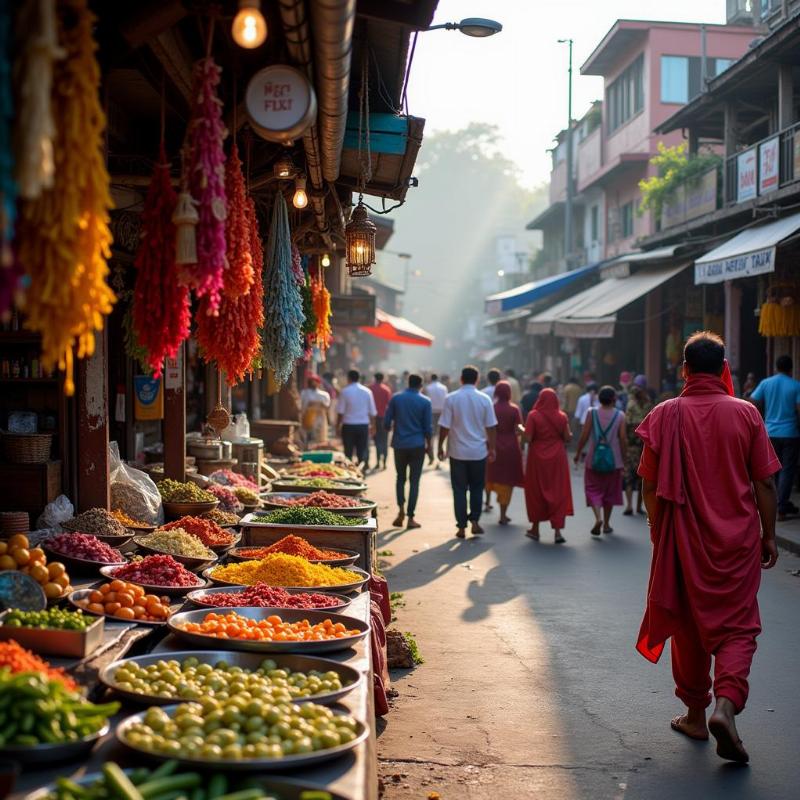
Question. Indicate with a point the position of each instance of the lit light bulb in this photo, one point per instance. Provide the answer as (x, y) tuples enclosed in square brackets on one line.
[(249, 26), (300, 199), (326, 260)]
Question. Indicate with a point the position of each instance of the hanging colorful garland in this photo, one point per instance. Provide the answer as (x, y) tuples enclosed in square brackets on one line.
[(232, 339), (321, 300), (239, 274), (64, 238), (160, 315), (283, 311), (204, 164), (9, 273)]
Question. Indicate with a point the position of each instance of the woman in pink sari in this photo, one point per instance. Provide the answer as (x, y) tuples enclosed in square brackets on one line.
[(548, 490), (505, 472)]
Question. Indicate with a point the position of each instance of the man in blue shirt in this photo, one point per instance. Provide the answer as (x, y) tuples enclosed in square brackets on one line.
[(778, 399), (409, 416)]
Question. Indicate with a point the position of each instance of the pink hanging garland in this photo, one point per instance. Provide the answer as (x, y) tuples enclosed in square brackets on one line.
[(205, 170)]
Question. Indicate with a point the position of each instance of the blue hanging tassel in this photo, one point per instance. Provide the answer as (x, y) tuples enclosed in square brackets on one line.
[(283, 304)]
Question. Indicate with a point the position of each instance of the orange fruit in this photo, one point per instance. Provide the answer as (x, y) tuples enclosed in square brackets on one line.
[(105, 588), (124, 613), (112, 608), (96, 597), (6, 562), (62, 580), (3, 548), (96, 608), (139, 612), (53, 590), (18, 540), (125, 599), (21, 555), (39, 573), (38, 555), (118, 586), (55, 568)]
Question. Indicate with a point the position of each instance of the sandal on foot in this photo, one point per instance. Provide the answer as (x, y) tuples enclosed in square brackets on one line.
[(461, 534), (559, 539), (532, 535), (628, 512), (596, 529), (608, 530)]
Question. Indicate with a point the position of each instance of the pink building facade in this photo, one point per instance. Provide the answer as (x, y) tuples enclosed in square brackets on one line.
[(650, 69)]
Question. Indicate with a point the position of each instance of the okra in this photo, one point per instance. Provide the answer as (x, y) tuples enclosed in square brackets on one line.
[(160, 786), (217, 786), (119, 783)]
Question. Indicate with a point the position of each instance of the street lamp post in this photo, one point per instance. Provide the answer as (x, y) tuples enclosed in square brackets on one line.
[(568, 222)]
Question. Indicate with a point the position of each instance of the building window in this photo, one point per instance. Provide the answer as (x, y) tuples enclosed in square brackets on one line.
[(625, 96), (681, 76), (626, 220), (595, 223)]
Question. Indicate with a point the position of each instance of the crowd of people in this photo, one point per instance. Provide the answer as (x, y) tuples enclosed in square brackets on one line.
[(698, 467)]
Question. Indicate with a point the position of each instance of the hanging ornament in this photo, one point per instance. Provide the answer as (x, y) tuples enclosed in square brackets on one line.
[(35, 163), (283, 312), (160, 314), (205, 179), (239, 274), (297, 267), (64, 237), (185, 219)]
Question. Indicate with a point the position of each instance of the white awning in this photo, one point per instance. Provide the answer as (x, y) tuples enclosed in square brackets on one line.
[(592, 314), (511, 316), (750, 252)]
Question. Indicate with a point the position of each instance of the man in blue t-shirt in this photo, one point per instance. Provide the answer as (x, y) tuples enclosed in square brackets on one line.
[(778, 399), (409, 414)]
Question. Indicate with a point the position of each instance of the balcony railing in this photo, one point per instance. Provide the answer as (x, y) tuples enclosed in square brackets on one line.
[(764, 167)]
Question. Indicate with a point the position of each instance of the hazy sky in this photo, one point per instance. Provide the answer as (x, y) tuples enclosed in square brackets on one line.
[(517, 79)]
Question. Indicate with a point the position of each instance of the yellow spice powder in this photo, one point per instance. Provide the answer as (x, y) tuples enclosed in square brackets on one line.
[(281, 569)]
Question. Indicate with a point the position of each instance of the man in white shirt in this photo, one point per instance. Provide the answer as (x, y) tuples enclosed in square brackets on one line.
[(586, 401), (356, 418), (436, 392), (492, 376), (469, 422)]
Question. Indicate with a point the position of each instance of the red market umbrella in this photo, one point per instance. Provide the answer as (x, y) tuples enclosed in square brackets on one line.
[(398, 329)]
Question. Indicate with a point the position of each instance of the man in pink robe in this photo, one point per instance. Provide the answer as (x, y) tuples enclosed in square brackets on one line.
[(708, 469)]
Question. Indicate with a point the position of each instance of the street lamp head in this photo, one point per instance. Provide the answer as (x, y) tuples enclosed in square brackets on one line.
[(478, 27)]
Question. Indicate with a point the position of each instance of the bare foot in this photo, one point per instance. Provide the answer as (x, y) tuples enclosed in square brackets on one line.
[(504, 520), (412, 524), (722, 725), (688, 725), (476, 529)]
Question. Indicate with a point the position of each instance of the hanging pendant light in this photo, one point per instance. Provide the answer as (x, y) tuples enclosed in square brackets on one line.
[(326, 260), (359, 237), (249, 28), (283, 168), (300, 199)]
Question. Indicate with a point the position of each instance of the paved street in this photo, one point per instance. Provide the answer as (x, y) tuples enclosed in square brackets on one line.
[(531, 686)]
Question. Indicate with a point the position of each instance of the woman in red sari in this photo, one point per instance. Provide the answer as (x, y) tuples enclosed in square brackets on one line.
[(548, 489), (505, 472)]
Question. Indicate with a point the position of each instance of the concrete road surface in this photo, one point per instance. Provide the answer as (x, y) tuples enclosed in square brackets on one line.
[(531, 687)]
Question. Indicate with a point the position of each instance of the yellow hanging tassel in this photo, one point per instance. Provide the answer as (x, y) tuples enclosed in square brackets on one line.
[(64, 237)]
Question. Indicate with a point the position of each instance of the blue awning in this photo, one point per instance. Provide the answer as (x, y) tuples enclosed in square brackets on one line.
[(536, 290)]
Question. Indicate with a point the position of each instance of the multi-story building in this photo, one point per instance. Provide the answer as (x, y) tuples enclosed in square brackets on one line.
[(750, 226), (650, 70)]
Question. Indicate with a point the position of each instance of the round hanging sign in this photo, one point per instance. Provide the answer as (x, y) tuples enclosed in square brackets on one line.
[(281, 103)]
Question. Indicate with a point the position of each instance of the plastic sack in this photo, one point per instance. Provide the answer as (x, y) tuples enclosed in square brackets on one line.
[(60, 510), (133, 491)]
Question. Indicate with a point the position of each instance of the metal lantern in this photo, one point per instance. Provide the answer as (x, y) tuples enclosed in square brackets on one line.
[(360, 242)]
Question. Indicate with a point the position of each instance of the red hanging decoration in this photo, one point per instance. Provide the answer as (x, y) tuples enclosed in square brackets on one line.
[(239, 274), (160, 304), (233, 338)]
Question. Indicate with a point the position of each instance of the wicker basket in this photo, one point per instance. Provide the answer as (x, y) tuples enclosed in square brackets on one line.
[(26, 448)]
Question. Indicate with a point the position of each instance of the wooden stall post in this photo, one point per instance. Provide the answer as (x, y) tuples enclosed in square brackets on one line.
[(175, 417), (91, 402)]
